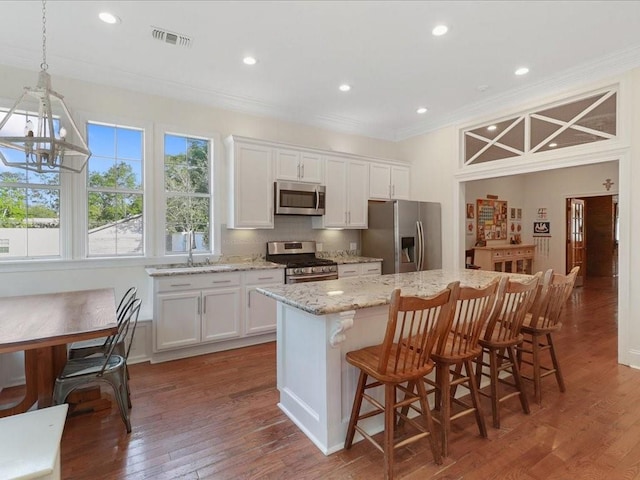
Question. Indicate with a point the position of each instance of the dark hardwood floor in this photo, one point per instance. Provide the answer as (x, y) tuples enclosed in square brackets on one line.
[(215, 417)]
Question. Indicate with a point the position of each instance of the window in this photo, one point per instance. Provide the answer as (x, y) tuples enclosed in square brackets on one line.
[(115, 191), (29, 213), (187, 187), (586, 120)]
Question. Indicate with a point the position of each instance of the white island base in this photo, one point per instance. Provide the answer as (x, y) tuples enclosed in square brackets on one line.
[(316, 383)]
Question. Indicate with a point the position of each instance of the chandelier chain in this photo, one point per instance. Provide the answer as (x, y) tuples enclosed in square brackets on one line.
[(44, 64)]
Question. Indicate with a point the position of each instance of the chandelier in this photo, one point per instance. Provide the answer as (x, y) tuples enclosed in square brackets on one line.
[(38, 133)]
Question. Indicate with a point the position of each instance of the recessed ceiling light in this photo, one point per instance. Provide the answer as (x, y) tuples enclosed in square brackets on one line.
[(522, 71), (553, 144), (491, 128), (344, 87), (439, 30), (422, 110), (109, 18), (249, 61)]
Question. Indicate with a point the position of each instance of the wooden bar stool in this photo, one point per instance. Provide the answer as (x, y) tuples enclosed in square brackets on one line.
[(413, 328), (538, 328), (456, 351), (499, 342)]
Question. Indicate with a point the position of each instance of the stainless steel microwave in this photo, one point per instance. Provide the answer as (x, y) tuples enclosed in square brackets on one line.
[(299, 198)]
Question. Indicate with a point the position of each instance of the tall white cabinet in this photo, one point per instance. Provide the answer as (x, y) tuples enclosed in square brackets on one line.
[(250, 184), (347, 194)]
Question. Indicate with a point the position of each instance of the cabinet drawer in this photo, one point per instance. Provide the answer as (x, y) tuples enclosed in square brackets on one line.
[(258, 277), (196, 282), (349, 270), (371, 268)]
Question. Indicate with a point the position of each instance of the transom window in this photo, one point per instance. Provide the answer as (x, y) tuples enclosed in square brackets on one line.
[(587, 120), (115, 191), (187, 187)]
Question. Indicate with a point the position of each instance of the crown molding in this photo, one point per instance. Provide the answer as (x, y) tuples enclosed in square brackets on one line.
[(611, 65)]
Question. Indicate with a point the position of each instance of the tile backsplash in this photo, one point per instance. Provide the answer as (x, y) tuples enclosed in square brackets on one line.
[(287, 227)]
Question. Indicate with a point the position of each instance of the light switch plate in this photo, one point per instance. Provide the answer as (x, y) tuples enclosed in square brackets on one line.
[(353, 246), (318, 246)]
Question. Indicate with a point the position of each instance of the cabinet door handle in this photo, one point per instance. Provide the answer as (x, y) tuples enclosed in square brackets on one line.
[(349, 217), (302, 176), (199, 305), (221, 281), (298, 170), (204, 310), (249, 299), (180, 285), (266, 278), (349, 271), (390, 191)]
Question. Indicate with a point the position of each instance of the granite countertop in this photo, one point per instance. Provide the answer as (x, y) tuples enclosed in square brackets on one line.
[(213, 267), (334, 296), (346, 259), (240, 264)]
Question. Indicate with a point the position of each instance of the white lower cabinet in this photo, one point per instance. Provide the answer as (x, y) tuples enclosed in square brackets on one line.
[(260, 310), (359, 269), (195, 310)]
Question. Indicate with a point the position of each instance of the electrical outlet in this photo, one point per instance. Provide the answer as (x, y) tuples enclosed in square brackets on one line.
[(353, 246), (318, 246)]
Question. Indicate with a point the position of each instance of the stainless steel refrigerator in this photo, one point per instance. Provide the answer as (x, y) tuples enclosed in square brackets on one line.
[(405, 234)]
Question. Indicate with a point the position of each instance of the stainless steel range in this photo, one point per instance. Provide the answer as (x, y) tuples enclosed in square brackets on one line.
[(301, 261)]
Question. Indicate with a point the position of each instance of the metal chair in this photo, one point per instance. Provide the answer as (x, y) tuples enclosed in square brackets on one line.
[(499, 342), (413, 328), (109, 368), (100, 345)]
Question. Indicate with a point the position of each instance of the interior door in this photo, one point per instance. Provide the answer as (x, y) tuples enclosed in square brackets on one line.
[(576, 237)]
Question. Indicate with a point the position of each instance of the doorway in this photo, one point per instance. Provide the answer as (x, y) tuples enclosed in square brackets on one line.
[(592, 241)]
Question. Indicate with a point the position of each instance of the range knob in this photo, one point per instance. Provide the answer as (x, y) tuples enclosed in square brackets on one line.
[(326, 269), (297, 271)]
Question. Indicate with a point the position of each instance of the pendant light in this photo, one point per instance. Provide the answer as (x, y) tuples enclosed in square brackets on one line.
[(38, 133)]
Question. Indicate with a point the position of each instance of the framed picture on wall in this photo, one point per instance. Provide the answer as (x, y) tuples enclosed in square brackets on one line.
[(470, 212)]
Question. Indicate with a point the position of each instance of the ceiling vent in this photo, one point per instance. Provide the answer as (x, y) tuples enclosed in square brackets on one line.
[(171, 38)]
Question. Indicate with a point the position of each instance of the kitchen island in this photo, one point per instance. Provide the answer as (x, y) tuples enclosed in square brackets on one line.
[(319, 322)]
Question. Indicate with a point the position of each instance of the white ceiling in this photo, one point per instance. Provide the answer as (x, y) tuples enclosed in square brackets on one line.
[(384, 49)]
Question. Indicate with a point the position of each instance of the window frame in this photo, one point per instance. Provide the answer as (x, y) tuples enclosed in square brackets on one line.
[(215, 183), (141, 191)]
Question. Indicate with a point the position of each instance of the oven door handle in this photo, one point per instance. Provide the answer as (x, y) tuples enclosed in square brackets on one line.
[(312, 277)]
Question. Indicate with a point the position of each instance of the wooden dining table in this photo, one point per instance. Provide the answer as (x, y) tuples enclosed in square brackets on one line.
[(42, 326)]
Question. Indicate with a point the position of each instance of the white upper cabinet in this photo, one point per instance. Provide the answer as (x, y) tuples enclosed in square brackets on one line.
[(250, 184), (346, 194), (388, 181), (298, 166)]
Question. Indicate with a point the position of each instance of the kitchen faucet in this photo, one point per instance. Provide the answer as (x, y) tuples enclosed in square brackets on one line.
[(190, 248)]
